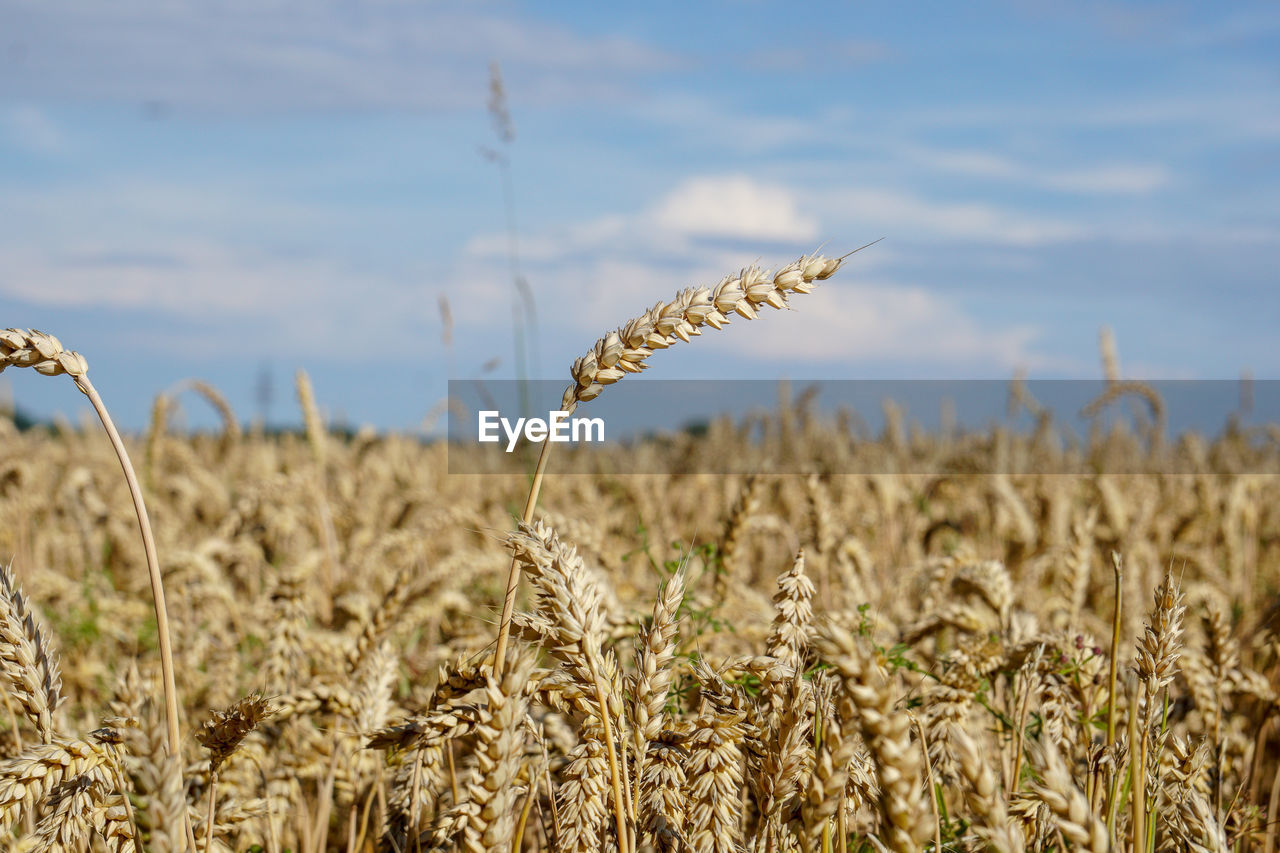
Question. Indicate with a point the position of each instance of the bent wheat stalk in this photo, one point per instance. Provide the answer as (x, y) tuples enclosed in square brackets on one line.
[(44, 353), (625, 350)]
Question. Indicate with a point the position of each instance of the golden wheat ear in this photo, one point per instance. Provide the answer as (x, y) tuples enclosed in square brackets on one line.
[(628, 348), (222, 734), (28, 665)]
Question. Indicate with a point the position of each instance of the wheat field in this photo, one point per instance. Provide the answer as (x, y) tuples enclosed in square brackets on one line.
[(1021, 661)]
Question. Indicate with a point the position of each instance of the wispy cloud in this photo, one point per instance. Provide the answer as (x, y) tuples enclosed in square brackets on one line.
[(300, 55), (33, 130), (240, 301), (887, 321), (830, 52), (688, 115), (606, 269), (186, 278), (920, 217), (1107, 179), (1249, 111), (1121, 179)]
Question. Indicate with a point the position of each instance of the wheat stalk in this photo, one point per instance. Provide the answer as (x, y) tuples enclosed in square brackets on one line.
[(45, 354), (230, 425), (626, 350)]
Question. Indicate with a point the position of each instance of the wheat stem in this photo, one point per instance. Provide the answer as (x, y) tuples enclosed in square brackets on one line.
[(615, 779), (208, 827), (928, 777), (1118, 567), (626, 349), (173, 732), (513, 574), (525, 809)]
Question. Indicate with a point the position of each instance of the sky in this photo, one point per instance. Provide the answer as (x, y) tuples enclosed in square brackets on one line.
[(232, 191)]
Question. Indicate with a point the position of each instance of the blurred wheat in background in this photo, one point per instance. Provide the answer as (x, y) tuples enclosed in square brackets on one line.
[(819, 662)]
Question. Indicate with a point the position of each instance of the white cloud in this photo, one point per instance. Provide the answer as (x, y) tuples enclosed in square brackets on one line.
[(702, 208), (133, 211), (557, 242), (734, 206), (982, 164)]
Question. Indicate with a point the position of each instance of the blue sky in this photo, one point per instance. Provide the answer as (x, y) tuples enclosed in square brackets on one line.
[(215, 190)]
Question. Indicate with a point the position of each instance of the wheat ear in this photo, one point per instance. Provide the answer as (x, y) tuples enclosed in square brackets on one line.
[(317, 437), (1057, 790), (625, 350), (788, 758), (67, 825), (221, 735), (714, 783), (735, 527), (984, 796), (870, 701), (45, 354), (27, 664), (32, 777), (230, 426), (499, 750), (575, 625), (793, 613), (655, 656)]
